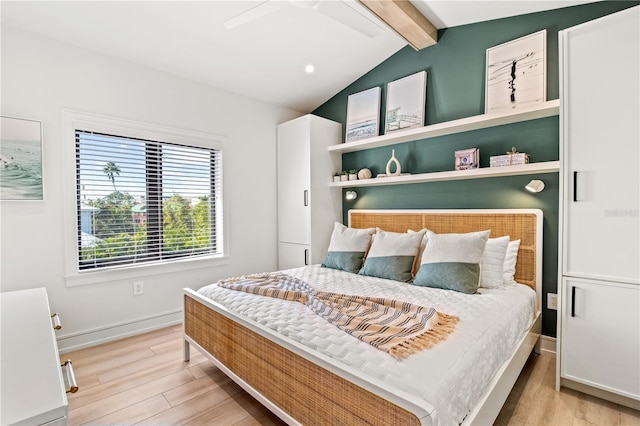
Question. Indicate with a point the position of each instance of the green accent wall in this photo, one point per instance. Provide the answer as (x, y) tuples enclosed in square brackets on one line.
[(455, 89)]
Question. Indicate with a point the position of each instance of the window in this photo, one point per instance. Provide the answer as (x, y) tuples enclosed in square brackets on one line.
[(140, 201)]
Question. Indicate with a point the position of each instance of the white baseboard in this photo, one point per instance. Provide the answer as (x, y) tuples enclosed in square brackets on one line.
[(85, 339), (548, 345)]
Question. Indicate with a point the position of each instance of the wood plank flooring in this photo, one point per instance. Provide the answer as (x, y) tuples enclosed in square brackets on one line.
[(143, 380)]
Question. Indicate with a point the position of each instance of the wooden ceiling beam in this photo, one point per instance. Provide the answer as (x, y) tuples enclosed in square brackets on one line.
[(406, 20)]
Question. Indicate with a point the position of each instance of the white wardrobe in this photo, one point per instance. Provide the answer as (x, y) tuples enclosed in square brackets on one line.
[(599, 319), (307, 207)]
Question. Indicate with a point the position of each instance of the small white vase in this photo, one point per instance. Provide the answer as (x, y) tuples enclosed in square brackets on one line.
[(392, 160)]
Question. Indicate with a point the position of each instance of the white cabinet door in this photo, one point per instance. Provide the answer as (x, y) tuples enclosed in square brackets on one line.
[(600, 110), (293, 255), (294, 179), (601, 335)]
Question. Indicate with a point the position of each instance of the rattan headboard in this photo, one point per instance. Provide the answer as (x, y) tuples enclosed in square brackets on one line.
[(525, 225)]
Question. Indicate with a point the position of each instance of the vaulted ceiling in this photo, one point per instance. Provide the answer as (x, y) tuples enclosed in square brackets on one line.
[(263, 58)]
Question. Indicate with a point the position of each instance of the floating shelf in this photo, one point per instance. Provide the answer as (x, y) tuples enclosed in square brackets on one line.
[(485, 172), (483, 121)]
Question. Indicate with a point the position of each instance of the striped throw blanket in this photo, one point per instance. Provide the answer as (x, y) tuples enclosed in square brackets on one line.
[(398, 328)]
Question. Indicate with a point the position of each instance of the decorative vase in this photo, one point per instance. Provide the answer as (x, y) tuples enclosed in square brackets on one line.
[(392, 160), (336, 178), (343, 178), (353, 176)]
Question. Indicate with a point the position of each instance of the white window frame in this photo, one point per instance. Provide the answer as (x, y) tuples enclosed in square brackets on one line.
[(73, 120)]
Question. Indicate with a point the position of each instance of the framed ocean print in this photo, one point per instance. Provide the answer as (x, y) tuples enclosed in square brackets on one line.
[(516, 75), (406, 99), (20, 159), (363, 112)]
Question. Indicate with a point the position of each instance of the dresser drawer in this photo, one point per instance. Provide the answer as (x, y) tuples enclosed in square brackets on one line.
[(33, 387)]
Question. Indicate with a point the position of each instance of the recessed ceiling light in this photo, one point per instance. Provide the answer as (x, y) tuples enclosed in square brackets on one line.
[(309, 69)]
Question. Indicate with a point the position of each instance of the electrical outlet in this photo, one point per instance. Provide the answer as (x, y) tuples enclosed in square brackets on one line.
[(552, 301), (138, 288)]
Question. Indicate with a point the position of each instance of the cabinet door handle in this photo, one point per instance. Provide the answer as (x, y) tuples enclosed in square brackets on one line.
[(306, 197), (55, 319), (573, 301), (306, 257), (69, 378), (579, 190)]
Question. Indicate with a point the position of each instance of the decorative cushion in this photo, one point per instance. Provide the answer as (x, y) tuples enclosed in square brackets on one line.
[(492, 263), (347, 248), (391, 255), (509, 266), (423, 244), (452, 261)]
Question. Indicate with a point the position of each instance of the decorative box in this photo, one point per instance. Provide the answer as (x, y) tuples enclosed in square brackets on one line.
[(509, 160), (468, 159), (512, 158)]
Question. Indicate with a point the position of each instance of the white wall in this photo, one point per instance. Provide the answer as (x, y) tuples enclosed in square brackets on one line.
[(39, 78)]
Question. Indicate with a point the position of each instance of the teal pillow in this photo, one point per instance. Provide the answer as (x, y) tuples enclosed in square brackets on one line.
[(347, 248), (452, 261), (350, 261), (391, 255)]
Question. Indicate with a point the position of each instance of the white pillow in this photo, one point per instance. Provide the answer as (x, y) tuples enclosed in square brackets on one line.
[(423, 244), (391, 255), (510, 259), (347, 248), (492, 263), (452, 261)]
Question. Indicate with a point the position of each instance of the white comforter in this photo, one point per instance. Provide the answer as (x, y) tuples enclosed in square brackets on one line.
[(450, 377)]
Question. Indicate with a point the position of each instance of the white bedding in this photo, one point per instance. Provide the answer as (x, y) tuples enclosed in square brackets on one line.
[(450, 377)]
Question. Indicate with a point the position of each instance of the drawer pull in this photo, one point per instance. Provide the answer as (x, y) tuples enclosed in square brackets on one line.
[(55, 318), (69, 378)]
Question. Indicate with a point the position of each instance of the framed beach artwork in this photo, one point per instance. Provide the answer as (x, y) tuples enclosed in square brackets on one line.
[(516, 73), (363, 111), (406, 100), (20, 159)]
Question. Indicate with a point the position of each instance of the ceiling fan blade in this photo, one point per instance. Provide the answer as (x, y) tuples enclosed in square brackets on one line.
[(347, 13), (258, 11)]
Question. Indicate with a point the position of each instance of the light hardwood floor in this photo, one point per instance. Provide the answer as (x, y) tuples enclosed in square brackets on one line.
[(143, 380)]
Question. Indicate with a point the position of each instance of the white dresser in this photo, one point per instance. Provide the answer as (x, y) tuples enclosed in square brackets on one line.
[(307, 206), (33, 388), (599, 322)]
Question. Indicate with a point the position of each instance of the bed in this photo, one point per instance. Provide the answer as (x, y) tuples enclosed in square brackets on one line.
[(309, 373)]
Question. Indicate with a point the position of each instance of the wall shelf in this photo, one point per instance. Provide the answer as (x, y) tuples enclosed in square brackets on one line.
[(483, 121), (485, 172)]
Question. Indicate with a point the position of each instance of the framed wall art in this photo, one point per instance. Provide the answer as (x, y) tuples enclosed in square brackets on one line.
[(467, 159), (363, 112), (20, 159), (406, 100), (516, 75)]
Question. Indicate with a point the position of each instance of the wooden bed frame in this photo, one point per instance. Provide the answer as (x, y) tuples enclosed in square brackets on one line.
[(303, 387)]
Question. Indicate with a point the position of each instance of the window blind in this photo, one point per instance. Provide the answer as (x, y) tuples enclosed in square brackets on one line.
[(145, 201)]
